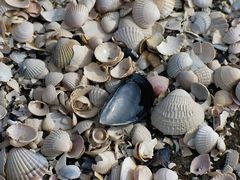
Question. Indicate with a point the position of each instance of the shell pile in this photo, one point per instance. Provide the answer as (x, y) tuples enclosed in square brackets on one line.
[(119, 89)]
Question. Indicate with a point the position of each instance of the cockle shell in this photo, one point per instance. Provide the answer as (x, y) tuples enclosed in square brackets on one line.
[(177, 63), (200, 164), (165, 174), (78, 147), (186, 78), (94, 42), (234, 48), (23, 32), (231, 159), (130, 36), (201, 22), (203, 3), (25, 164), (21, 135), (63, 52), (109, 21), (226, 77), (76, 15), (205, 139), (104, 6), (169, 119), (96, 73), (145, 13), (38, 108), (108, 53), (115, 172), (3, 112), (105, 161), (222, 98), (112, 85), (219, 21), (53, 78), (98, 96), (71, 80), (226, 176), (232, 35), (127, 169), (140, 133), (83, 126), (204, 75), (165, 7), (142, 173), (49, 95), (205, 51), (56, 143), (5, 73)]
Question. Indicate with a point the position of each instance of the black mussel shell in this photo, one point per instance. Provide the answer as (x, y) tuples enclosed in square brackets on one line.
[(161, 157), (131, 102)]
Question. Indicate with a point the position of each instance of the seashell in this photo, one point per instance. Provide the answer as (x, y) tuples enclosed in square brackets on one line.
[(205, 51), (118, 132), (83, 126), (186, 78), (139, 134), (154, 60), (181, 121), (221, 146), (71, 80), (53, 15), (104, 6), (234, 48), (203, 3), (204, 75), (232, 35), (109, 21), (165, 174), (226, 77), (3, 160), (21, 135), (49, 95), (76, 15), (32, 164), (200, 164), (227, 176), (78, 147), (177, 63), (130, 36), (222, 98), (56, 143), (38, 108), (69, 172), (89, 4), (171, 45), (4, 7), (32, 68), (219, 21), (96, 73), (112, 85), (18, 3), (105, 161), (63, 52), (142, 62), (161, 157), (165, 7), (201, 22), (231, 159), (48, 125), (153, 41), (123, 69), (108, 53), (94, 42), (98, 96), (213, 65), (5, 73), (127, 169), (145, 13), (98, 136), (115, 173), (3, 112), (142, 173), (53, 78), (23, 32), (60, 121), (205, 139)]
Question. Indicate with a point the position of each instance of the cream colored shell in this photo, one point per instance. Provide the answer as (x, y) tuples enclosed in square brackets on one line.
[(222, 98), (109, 21), (165, 174), (96, 73), (71, 80), (53, 78), (142, 173), (186, 78), (140, 133), (127, 169), (98, 96), (23, 32), (165, 7), (104, 6), (38, 108), (232, 35)]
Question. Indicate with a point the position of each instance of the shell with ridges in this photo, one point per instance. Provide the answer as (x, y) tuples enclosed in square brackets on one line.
[(53, 78), (78, 147), (231, 159), (234, 48), (110, 21), (219, 21), (203, 3), (3, 160), (205, 51), (140, 133), (201, 22), (222, 98), (98, 96), (71, 80), (204, 75), (232, 35), (106, 6), (200, 164), (165, 7), (49, 95), (23, 32), (165, 174)]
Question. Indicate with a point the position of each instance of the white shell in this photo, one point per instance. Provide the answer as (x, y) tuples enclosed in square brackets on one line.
[(177, 63), (3, 112), (60, 120), (232, 35), (3, 160), (200, 164), (234, 48), (222, 98), (203, 3), (219, 21), (49, 95), (142, 173), (139, 134), (127, 169), (165, 174), (53, 78), (145, 13), (18, 3), (112, 85), (96, 73), (5, 73), (69, 172), (110, 21), (38, 108), (98, 96), (205, 51), (165, 7), (105, 6), (231, 159), (177, 113), (25, 164), (71, 80), (204, 75), (205, 139), (186, 78), (78, 147), (82, 126), (201, 22), (23, 32)]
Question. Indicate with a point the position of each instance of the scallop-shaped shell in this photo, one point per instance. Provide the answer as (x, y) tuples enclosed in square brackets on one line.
[(6, 73), (71, 80), (226, 77), (32, 68), (96, 73), (56, 143), (53, 78), (177, 113), (3, 112), (94, 42), (231, 159), (177, 63), (142, 173), (78, 147), (110, 21), (219, 21), (63, 52), (145, 13), (112, 85), (48, 125), (205, 51), (226, 176), (105, 161), (115, 172), (38, 108), (200, 164), (127, 169), (49, 95), (139, 134), (201, 22), (21, 135), (222, 98), (232, 35), (213, 65), (165, 7), (108, 53), (23, 32), (98, 96), (82, 126), (165, 174), (205, 139), (234, 48), (105, 6), (130, 36), (186, 78), (204, 75), (25, 164), (123, 69), (203, 3), (159, 83), (76, 15)]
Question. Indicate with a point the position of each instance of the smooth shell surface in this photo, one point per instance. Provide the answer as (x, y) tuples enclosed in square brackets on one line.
[(140, 133), (53, 78), (203, 3), (110, 21), (23, 32), (165, 174), (38, 108), (200, 164)]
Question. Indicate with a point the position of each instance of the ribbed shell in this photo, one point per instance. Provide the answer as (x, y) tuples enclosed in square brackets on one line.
[(234, 48), (201, 21), (165, 7), (204, 75), (219, 21), (205, 139), (231, 159), (226, 77), (3, 112), (71, 80), (177, 63), (139, 134), (130, 36), (98, 96), (63, 52), (23, 32), (31, 68), (110, 21), (53, 78), (56, 143), (177, 113), (23, 164), (145, 13), (106, 6), (49, 95), (203, 3), (186, 78), (232, 35), (205, 51)]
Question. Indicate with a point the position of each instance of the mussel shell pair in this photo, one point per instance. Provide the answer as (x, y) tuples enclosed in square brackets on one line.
[(129, 103)]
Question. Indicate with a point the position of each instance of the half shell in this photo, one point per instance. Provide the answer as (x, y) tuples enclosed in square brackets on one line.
[(200, 164), (159, 84), (165, 174), (165, 7), (232, 35), (3, 112), (139, 134), (23, 32), (98, 96), (231, 159), (222, 98), (201, 22), (105, 6), (127, 169), (205, 51), (110, 21), (38, 108), (96, 73), (49, 95), (53, 78), (186, 78), (71, 80)]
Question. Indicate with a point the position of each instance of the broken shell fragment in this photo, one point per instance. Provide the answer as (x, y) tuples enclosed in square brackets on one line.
[(165, 7), (38, 108), (23, 32), (5, 73), (165, 174), (78, 147), (18, 3), (231, 159), (96, 73), (186, 78), (159, 83), (200, 164)]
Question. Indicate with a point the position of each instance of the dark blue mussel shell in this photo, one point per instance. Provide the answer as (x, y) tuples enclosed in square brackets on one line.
[(129, 103)]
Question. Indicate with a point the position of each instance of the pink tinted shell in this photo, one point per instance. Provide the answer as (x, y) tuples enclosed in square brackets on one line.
[(159, 83)]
